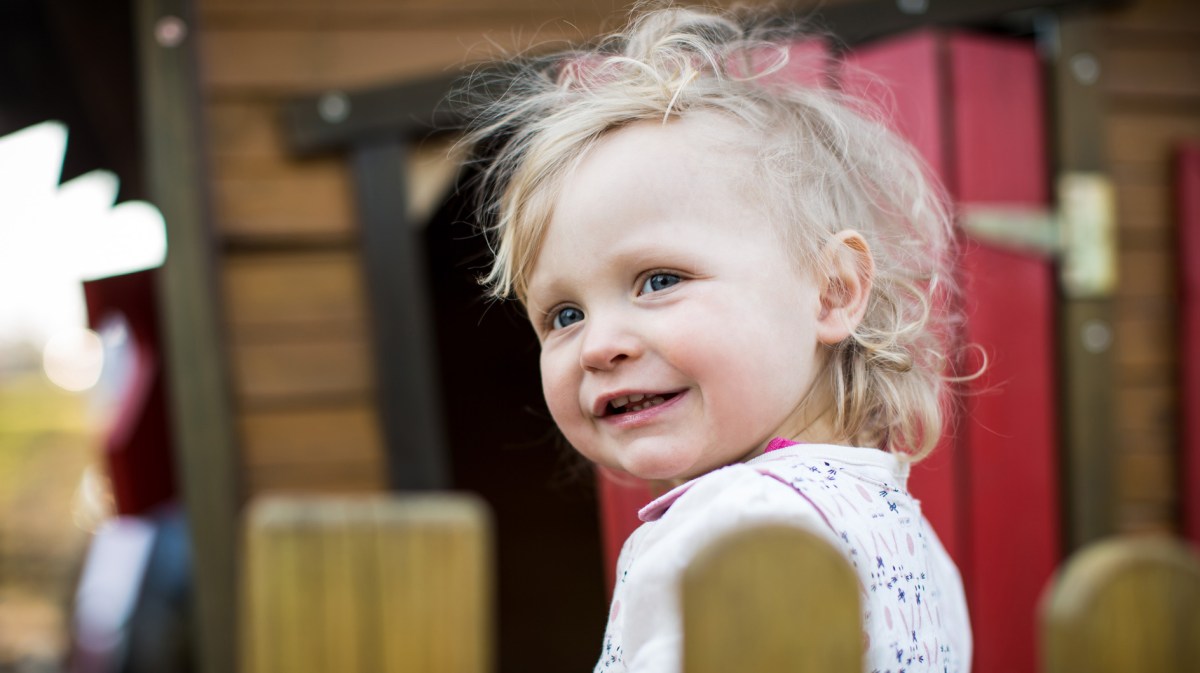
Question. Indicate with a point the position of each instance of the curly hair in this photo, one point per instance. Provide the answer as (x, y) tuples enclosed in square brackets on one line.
[(825, 161)]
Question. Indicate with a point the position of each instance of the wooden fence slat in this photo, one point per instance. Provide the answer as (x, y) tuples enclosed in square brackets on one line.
[(749, 605), (1124, 605), (369, 584)]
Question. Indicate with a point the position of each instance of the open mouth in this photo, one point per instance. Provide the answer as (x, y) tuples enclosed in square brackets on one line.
[(637, 402)]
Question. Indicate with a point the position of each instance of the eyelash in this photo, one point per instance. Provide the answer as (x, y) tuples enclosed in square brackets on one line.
[(646, 278)]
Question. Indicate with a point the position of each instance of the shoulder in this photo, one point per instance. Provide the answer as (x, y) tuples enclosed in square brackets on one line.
[(730, 498)]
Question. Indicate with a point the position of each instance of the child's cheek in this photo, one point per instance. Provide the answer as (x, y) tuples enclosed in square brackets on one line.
[(560, 387)]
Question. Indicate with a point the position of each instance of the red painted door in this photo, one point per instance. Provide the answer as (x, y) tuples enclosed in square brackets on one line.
[(973, 107)]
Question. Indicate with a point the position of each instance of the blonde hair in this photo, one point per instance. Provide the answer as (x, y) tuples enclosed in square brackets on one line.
[(824, 164)]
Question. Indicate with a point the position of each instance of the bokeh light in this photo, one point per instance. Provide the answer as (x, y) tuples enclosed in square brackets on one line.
[(73, 359)]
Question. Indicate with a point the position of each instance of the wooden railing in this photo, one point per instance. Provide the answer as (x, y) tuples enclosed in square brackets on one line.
[(404, 584), (370, 585), (1120, 605)]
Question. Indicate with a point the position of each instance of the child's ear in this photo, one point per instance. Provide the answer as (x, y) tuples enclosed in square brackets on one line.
[(847, 287)]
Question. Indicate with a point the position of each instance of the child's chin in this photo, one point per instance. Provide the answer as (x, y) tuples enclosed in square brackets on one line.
[(667, 467)]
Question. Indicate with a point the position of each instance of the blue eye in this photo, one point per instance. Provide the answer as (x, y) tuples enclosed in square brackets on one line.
[(567, 317), (659, 281)]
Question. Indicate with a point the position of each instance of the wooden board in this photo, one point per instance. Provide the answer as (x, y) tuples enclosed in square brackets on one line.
[(367, 585), (280, 62), (286, 295), (272, 374), (1150, 69), (312, 201), (749, 605), (316, 448)]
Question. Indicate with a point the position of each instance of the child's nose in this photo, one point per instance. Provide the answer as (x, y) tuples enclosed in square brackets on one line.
[(606, 343)]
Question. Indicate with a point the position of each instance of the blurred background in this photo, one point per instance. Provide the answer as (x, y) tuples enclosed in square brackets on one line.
[(317, 328)]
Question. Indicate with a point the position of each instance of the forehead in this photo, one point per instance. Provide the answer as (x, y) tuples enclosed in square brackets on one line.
[(671, 170), (648, 188)]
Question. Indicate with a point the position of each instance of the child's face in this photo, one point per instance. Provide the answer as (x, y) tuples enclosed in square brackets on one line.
[(678, 335)]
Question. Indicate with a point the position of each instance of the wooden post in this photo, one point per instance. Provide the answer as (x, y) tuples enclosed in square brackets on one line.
[(405, 343), (750, 605), (370, 585), (1086, 312), (1124, 605), (197, 374)]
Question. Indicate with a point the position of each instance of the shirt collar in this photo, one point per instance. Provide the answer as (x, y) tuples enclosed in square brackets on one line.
[(656, 508)]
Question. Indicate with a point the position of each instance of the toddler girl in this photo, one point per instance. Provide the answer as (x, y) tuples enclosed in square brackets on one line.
[(731, 277)]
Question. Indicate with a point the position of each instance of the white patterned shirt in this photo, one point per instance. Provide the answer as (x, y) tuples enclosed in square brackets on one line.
[(914, 610)]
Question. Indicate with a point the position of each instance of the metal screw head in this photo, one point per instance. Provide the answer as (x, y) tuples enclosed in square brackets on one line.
[(170, 31), (1096, 336), (1085, 68), (333, 107), (913, 6)]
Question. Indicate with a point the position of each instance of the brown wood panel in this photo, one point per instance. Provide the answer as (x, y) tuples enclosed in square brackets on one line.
[(277, 294), (1146, 351), (1147, 518), (1142, 205), (333, 369), (291, 62), (1148, 137), (236, 17), (1146, 476), (245, 130), (311, 436), (1139, 172), (313, 200), (1161, 441), (335, 477), (587, 15), (1154, 69), (1146, 408), (1145, 273), (1155, 16)]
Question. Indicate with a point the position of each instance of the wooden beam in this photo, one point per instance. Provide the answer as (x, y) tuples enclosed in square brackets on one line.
[(854, 23), (1086, 320), (333, 120), (203, 434), (405, 354)]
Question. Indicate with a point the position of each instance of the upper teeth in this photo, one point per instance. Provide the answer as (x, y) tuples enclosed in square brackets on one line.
[(636, 402), (626, 399)]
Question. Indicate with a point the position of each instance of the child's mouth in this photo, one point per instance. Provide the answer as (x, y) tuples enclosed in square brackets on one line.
[(636, 402)]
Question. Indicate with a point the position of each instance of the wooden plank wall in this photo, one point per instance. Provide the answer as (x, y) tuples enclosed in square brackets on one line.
[(292, 281), (1151, 81)]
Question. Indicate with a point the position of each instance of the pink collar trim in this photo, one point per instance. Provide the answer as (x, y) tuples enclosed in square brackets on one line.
[(779, 443), (659, 506)]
